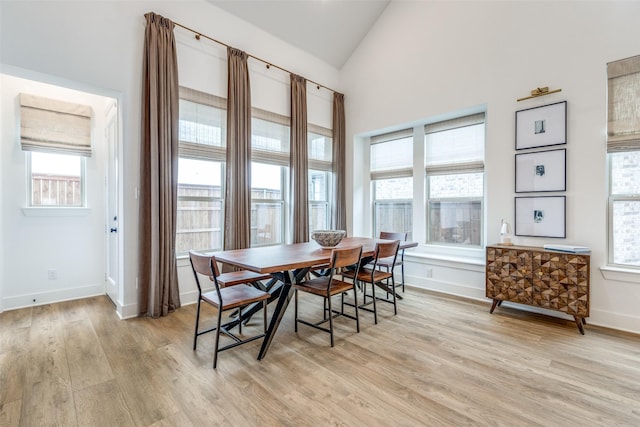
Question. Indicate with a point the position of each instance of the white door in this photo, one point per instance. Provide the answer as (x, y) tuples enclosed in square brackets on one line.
[(112, 211)]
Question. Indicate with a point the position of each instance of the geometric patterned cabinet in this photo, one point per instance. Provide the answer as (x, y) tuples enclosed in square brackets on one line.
[(541, 278)]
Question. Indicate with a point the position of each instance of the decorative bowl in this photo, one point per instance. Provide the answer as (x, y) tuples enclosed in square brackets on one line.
[(328, 238)]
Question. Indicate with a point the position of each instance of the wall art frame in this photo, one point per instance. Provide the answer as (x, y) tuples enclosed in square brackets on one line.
[(541, 171), (541, 216), (541, 126)]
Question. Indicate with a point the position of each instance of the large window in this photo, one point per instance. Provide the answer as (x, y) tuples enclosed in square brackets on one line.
[(623, 146), (320, 158), (269, 171), (392, 182), (200, 211), (454, 159)]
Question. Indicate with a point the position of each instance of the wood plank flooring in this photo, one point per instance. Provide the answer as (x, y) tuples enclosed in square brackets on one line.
[(442, 361)]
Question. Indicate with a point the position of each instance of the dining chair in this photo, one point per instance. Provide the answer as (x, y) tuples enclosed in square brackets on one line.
[(388, 263), (232, 290), (371, 274), (329, 285)]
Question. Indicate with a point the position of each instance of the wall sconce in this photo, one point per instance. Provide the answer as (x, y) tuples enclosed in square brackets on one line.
[(505, 234)]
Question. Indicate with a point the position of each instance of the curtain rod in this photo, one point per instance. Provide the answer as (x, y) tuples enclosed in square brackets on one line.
[(198, 35)]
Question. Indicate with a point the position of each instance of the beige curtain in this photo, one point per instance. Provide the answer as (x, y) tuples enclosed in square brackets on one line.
[(339, 217), (299, 161), (237, 227), (158, 278)]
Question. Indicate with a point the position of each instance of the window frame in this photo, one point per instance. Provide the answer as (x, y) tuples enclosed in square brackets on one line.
[(83, 183)]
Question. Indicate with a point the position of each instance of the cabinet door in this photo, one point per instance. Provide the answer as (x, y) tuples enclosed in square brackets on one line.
[(508, 275), (561, 282)]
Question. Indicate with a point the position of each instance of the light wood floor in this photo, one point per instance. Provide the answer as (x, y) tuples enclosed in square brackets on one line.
[(440, 361)]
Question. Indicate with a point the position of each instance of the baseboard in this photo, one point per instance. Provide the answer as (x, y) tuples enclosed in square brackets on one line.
[(58, 295), (457, 289)]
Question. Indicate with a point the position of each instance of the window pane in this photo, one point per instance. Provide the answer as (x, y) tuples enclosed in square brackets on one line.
[(625, 173), (202, 124), (200, 211), (393, 216), (319, 147), (626, 232), (456, 185), (266, 204), (455, 222), (318, 216), (458, 145), (318, 182), (393, 188), (56, 179), (318, 200), (396, 154)]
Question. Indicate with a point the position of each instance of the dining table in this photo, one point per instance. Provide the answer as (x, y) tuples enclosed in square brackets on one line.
[(288, 263)]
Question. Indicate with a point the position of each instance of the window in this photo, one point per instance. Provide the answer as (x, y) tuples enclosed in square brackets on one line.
[(56, 179), (623, 147), (201, 163), (269, 171), (392, 182), (57, 136), (454, 159), (320, 166)]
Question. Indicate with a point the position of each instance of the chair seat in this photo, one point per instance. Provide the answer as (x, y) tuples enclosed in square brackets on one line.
[(233, 278), (318, 286), (365, 275), (235, 296)]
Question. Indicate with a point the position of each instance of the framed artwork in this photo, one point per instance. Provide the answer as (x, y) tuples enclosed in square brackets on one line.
[(543, 216), (541, 126), (541, 171)]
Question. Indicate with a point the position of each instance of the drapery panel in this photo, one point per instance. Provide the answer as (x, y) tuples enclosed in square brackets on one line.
[(158, 279), (299, 168), (237, 228), (339, 216)]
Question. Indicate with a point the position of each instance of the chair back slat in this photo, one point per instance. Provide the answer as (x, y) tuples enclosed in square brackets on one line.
[(344, 257), (387, 235), (385, 250)]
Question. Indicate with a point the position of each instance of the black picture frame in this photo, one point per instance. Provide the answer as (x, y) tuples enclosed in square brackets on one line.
[(541, 216), (541, 126), (541, 171)]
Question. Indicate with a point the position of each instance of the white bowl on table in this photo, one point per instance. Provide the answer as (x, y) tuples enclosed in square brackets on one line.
[(328, 238)]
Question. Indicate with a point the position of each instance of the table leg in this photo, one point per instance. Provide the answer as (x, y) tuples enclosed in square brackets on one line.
[(286, 292)]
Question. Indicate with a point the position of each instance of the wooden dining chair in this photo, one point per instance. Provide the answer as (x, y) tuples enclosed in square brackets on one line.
[(371, 274), (329, 285), (388, 263), (232, 290)]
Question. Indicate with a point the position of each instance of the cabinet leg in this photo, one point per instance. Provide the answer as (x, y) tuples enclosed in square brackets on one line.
[(579, 322), (496, 302)]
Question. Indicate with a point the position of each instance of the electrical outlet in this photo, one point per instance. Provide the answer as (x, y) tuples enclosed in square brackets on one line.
[(52, 274)]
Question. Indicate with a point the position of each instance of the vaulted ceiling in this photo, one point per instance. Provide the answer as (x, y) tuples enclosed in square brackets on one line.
[(327, 29)]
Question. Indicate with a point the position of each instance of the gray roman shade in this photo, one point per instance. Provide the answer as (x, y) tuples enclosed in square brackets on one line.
[(320, 160), (623, 115), (392, 155), (54, 126), (203, 122)]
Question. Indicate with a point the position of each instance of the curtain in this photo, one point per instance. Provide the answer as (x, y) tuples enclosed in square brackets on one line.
[(158, 278), (339, 217), (299, 160), (237, 228)]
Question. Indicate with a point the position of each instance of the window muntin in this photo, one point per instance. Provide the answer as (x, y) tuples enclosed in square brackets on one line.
[(56, 179), (454, 164)]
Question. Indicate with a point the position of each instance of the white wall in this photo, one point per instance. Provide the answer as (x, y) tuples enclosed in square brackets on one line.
[(100, 44), (72, 245), (427, 59)]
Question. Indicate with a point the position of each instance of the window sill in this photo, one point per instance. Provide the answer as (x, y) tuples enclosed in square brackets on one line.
[(621, 274), (55, 211)]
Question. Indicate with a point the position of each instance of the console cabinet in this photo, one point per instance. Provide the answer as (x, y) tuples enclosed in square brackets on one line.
[(541, 278)]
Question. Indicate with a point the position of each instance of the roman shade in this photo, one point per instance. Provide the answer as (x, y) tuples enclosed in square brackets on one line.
[(53, 126), (203, 125), (320, 153), (392, 155), (623, 115), (270, 137)]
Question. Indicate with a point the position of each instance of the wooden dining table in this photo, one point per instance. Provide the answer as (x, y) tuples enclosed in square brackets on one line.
[(287, 264)]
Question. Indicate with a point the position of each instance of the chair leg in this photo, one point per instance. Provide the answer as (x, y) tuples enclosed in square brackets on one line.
[(215, 347), (402, 268), (240, 320), (295, 311), (375, 309), (328, 299), (355, 305), (264, 310), (195, 335), (393, 287)]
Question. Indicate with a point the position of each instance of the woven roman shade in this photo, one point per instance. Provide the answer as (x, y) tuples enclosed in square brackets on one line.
[(53, 126), (459, 150), (270, 137), (392, 155), (623, 125), (203, 125), (320, 155)]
